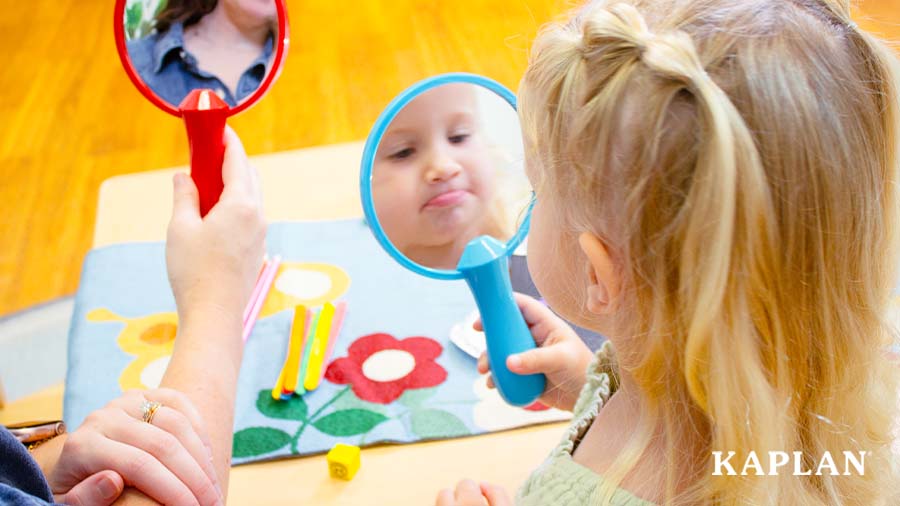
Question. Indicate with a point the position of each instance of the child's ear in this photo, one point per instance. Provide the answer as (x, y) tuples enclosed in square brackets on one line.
[(603, 289)]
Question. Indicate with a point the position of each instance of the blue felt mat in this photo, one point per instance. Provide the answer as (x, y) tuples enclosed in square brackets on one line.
[(393, 376)]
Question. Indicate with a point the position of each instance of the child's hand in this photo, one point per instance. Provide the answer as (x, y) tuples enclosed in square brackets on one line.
[(213, 261), (468, 493), (561, 356)]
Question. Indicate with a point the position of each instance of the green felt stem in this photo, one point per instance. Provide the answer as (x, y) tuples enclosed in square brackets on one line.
[(296, 439)]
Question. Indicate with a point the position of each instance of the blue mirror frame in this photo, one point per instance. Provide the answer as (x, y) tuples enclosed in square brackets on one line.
[(371, 148)]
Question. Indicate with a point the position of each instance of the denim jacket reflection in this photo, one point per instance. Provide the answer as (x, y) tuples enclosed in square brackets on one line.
[(168, 69)]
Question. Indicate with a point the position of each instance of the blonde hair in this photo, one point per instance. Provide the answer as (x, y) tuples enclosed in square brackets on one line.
[(739, 159)]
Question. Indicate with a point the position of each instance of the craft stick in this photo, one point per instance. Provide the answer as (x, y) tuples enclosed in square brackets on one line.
[(256, 289), (279, 384), (268, 279), (319, 345), (295, 349), (340, 310), (304, 362)]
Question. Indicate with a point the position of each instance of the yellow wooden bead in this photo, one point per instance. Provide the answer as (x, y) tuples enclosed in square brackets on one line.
[(343, 461)]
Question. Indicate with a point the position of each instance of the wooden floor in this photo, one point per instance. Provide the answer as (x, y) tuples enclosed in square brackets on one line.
[(69, 117)]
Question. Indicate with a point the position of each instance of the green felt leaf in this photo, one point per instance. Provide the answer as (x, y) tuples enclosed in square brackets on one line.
[(350, 401), (255, 441), (436, 423), (291, 409), (415, 398), (349, 422)]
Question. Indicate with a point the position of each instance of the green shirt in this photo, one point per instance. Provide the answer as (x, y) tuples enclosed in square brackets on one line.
[(562, 481)]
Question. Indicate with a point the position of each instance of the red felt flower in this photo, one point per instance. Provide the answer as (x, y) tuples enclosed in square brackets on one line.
[(380, 368)]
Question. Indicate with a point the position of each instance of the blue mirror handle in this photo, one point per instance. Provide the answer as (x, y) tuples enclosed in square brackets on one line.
[(505, 329)]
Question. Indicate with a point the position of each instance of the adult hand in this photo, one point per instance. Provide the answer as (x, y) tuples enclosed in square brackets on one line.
[(168, 459), (99, 489), (213, 261)]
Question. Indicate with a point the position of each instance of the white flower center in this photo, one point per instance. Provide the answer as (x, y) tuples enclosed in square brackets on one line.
[(388, 365), (303, 283), (153, 372)]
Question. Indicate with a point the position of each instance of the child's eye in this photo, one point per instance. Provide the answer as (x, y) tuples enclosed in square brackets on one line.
[(458, 138), (402, 154)]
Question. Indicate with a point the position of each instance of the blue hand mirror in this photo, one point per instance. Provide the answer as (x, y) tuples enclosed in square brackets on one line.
[(444, 190)]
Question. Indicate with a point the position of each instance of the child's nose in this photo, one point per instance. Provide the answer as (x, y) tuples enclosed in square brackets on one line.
[(441, 169)]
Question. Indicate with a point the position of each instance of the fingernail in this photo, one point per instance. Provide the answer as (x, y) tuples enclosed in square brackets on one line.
[(108, 489), (514, 362)]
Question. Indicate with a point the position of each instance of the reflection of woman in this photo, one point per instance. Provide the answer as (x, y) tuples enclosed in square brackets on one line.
[(223, 45)]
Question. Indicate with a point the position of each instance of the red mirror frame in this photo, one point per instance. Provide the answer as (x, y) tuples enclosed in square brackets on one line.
[(281, 46)]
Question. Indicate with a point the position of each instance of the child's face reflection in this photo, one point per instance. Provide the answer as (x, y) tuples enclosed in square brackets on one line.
[(433, 178)]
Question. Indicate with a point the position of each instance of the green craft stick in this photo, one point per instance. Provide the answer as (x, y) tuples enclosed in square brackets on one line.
[(320, 344)]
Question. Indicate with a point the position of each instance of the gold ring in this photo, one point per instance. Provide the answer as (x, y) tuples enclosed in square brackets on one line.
[(148, 409)]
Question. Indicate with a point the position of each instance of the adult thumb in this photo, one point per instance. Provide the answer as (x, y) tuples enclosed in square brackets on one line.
[(99, 489), (186, 200)]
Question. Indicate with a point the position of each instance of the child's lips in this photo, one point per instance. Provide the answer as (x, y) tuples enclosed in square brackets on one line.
[(446, 199)]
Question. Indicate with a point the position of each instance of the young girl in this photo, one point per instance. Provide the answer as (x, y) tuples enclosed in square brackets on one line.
[(436, 180), (716, 192)]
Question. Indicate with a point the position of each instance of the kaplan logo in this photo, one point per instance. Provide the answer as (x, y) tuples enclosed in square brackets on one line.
[(774, 462)]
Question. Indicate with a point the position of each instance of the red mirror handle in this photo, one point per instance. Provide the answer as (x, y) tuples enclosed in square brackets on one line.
[(204, 116)]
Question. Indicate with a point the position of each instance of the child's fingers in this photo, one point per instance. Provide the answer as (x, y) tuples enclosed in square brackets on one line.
[(445, 498), (468, 493), (495, 495), (483, 366), (490, 381), (538, 360), (536, 313), (477, 325)]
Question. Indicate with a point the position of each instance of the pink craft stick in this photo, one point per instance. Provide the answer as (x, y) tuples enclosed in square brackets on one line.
[(340, 310), (256, 289), (268, 278)]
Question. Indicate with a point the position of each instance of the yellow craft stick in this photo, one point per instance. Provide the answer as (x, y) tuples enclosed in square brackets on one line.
[(319, 346), (313, 320), (279, 385), (292, 362)]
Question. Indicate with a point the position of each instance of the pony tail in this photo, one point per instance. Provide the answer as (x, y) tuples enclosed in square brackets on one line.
[(727, 226), (729, 215)]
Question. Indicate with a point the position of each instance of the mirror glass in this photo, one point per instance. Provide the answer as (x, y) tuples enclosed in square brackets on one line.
[(227, 46), (449, 168)]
